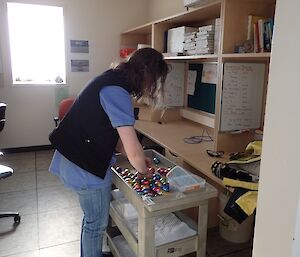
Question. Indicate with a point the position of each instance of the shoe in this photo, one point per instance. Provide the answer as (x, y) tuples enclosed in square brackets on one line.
[(107, 254)]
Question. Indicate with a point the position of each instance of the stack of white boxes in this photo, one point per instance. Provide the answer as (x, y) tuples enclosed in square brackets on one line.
[(194, 41), (217, 35), (204, 41), (189, 43)]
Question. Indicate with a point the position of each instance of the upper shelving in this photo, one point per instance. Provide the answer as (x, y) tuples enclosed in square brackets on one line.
[(192, 57), (203, 13), (247, 56), (139, 35), (235, 21), (235, 17), (153, 33), (143, 29)]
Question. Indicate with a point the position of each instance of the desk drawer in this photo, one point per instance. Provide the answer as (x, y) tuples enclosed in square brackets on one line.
[(174, 158)]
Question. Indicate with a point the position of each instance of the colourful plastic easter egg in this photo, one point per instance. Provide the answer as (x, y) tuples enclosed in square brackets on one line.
[(156, 160), (118, 169), (151, 170), (166, 188)]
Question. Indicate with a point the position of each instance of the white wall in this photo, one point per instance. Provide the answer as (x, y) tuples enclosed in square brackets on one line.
[(280, 173), (31, 108), (163, 8), (296, 243)]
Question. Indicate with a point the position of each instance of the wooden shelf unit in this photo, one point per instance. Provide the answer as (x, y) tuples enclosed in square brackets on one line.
[(139, 35), (233, 16), (192, 57)]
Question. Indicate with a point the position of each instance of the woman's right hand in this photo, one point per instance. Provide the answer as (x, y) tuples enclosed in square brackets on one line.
[(148, 174)]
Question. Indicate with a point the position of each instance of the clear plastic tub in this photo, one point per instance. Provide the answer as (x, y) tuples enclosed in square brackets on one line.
[(184, 181)]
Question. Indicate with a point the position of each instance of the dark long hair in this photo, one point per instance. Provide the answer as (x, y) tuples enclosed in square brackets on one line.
[(145, 72)]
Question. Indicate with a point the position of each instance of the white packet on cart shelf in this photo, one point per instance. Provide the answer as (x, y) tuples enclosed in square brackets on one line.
[(184, 181)]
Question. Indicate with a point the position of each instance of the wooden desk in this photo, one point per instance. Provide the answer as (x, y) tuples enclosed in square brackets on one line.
[(171, 136)]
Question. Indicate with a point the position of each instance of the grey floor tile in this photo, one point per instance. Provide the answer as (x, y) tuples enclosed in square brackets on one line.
[(43, 160), (64, 250), (23, 239), (59, 227), (193, 255), (56, 198), (51, 216), (44, 153), (24, 202), (217, 246), (47, 179), (18, 156), (18, 182), (21, 165), (243, 253), (26, 254)]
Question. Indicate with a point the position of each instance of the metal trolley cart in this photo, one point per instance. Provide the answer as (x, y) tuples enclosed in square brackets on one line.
[(148, 209)]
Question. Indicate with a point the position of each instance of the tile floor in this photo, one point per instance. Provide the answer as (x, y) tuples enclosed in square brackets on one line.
[(51, 216)]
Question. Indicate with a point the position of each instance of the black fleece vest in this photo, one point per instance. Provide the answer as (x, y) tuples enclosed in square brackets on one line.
[(85, 136)]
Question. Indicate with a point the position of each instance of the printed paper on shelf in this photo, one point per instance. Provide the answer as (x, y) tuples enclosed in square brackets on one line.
[(191, 82), (209, 73), (174, 86)]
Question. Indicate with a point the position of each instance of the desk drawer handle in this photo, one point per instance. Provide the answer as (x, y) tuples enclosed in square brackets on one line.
[(173, 154)]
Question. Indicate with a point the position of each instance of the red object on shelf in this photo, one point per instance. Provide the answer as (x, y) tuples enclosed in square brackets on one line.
[(124, 52)]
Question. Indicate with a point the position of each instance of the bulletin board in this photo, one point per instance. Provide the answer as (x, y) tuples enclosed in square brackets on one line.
[(204, 95), (242, 93)]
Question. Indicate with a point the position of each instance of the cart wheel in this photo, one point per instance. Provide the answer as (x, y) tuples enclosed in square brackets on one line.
[(17, 219)]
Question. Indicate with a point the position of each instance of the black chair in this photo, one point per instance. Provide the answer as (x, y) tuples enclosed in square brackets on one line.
[(6, 171)]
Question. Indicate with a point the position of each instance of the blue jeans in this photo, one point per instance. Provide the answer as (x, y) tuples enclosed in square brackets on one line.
[(95, 206)]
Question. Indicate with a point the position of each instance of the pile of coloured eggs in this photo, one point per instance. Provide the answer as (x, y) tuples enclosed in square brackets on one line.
[(146, 186)]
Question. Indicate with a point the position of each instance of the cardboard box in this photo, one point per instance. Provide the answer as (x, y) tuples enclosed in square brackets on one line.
[(150, 114)]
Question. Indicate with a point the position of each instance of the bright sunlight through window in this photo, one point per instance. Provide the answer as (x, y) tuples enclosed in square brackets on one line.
[(37, 45)]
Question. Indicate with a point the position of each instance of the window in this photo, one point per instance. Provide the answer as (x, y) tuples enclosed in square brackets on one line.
[(37, 46)]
